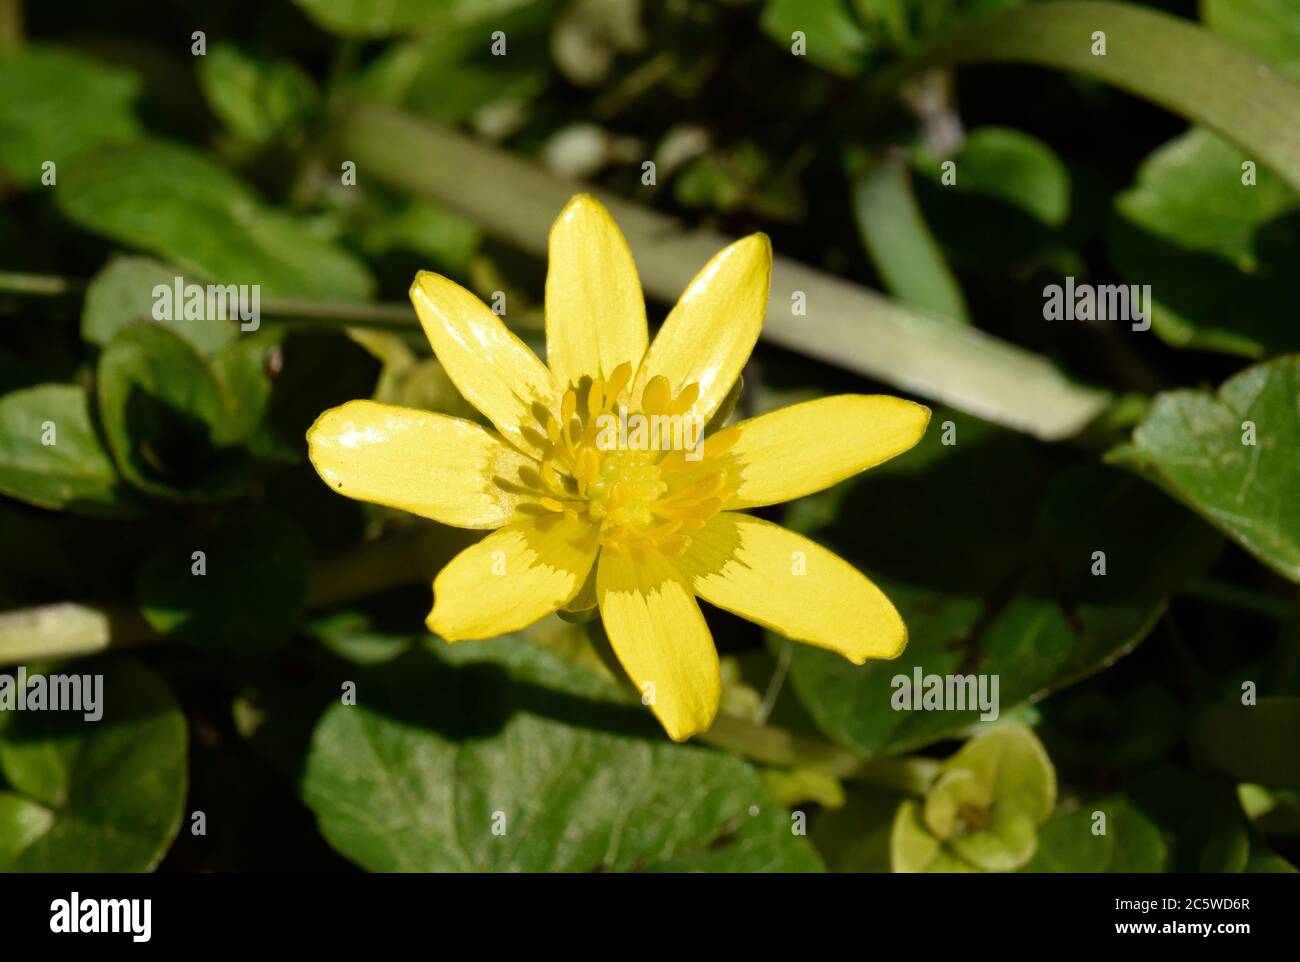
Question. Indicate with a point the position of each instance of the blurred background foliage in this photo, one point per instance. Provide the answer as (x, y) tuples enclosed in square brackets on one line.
[(1121, 694)]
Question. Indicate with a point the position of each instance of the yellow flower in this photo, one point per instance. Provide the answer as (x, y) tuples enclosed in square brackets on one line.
[(640, 533)]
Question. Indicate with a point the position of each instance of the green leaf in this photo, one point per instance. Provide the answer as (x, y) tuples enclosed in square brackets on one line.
[(855, 838), (1167, 60), (243, 595), (573, 776), (900, 244), (1073, 842), (257, 98), (833, 37), (989, 559), (449, 75), (173, 201), (94, 796), (403, 16), (165, 417), (1010, 166), (1006, 200), (353, 635), (1218, 253), (73, 472), (1192, 444), (982, 812), (1270, 29), (1252, 743), (444, 239), (1099, 731), (123, 292), (56, 105), (1199, 816)]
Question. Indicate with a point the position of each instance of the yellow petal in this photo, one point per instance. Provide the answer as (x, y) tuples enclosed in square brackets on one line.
[(708, 336), (494, 370), (432, 465), (658, 632), (810, 446), (763, 572), (512, 577), (595, 311)]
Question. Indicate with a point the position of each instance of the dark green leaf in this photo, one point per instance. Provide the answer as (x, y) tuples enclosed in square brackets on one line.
[(249, 597), (257, 98), (1198, 446), (94, 796), (581, 779), (175, 202), (1254, 743), (1218, 253), (56, 105), (73, 471), (124, 292), (166, 419), (1075, 842), (991, 567)]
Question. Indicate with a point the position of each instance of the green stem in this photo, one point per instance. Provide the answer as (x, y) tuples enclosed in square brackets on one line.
[(352, 313), (72, 630), (11, 26), (1161, 58), (1243, 599), (776, 746), (38, 285), (342, 312), (843, 323)]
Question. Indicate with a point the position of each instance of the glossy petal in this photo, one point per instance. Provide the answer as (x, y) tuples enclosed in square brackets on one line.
[(780, 579), (595, 311), (432, 465), (810, 446), (658, 632), (494, 370), (512, 577), (708, 336)]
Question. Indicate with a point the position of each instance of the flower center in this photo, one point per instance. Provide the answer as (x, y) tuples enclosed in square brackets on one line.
[(640, 468)]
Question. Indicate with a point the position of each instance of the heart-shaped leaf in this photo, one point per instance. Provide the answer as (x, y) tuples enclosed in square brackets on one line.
[(94, 796), (1217, 243), (166, 418), (1231, 456), (51, 455), (524, 762)]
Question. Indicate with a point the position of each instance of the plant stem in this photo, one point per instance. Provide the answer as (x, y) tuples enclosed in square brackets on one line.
[(68, 630), (38, 285), (352, 313), (1243, 599), (1162, 58), (11, 26), (843, 324), (72, 629), (776, 746)]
